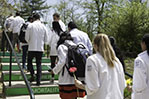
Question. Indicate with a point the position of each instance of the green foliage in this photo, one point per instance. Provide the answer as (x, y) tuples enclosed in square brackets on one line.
[(5, 10), (30, 6), (127, 24)]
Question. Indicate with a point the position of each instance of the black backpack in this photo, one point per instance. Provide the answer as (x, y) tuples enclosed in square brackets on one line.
[(76, 57), (22, 33)]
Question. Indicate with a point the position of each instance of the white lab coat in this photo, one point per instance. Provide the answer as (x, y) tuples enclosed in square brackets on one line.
[(36, 35), (53, 43), (16, 24), (63, 27), (103, 81), (141, 77), (81, 37), (65, 79), (8, 23)]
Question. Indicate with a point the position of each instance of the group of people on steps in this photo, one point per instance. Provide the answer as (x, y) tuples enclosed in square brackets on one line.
[(104, 73)]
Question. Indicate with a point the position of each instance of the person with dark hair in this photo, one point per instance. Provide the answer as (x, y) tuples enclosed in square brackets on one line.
[(36, 36), (80, 37), (15, 27), (141, 72), (7, 24), (56, 17), (117, 50), (56, 32), (67, 89), (25, 45)]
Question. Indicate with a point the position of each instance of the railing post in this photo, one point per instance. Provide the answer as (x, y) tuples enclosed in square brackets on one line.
[(10, 63)]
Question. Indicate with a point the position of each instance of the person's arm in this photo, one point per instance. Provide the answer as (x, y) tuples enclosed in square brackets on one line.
[(79, 84), (27, 33), (139, 76), (46, 37), (91, 77), (90, 47), (62, 54)]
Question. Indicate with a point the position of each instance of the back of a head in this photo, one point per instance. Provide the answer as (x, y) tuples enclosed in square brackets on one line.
[(146, 40), (17, 13), (105, 49), (36, 16), (72, 25), (56, 15), (30, 19), (63, 37)]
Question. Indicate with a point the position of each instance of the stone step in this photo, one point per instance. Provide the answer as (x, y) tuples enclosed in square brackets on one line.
[(45, 96), (7, 59), (18, 54), (16, 76), (19, 88), (4, 67)]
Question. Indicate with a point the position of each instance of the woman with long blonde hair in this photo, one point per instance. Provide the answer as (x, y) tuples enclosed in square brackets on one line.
[(104, 75)]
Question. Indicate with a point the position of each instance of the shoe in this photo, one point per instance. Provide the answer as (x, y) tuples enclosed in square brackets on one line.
[(32, 79), (49, 70), (52, 81), (38, 84)]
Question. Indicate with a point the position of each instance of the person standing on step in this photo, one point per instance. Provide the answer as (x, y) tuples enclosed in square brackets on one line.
[(140, 85), (36, 35), (56, 17), (24, 45), (67, 88), (15, 27), (104, 75), (80, 37), (7, 24), (56, 32)]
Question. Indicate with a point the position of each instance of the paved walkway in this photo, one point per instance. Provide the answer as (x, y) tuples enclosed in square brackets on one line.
[(51, 96)]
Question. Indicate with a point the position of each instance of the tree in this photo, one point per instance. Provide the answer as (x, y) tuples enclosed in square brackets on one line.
[(128, 24), (31, 6), (5, 10)]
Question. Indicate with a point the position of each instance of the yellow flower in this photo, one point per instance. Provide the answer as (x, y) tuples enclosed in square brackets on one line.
[(128, 81)]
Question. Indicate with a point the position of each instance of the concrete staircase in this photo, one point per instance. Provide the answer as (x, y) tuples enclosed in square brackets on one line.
[(19, 88)]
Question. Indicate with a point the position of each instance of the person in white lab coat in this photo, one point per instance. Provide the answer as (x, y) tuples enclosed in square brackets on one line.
[(36, 36), (67, 89), (15, 27), (56, 17), (7, 24), (141, 72), (80, 37), (56, 32), (104, 75)]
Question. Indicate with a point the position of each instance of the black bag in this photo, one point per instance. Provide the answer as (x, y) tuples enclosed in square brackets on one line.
[(76, 57), (22, 33)]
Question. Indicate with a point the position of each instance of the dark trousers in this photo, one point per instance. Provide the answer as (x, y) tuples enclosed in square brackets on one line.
[(53, 61), (4, 41), (24, 49), (38, 57)]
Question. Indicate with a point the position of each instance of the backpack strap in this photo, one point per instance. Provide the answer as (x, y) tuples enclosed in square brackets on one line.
[(67, 45)]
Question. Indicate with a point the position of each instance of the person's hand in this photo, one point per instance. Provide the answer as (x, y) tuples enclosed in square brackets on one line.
[(129, 88), (78, 83)]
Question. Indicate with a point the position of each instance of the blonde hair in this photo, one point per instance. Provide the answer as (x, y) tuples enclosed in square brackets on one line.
[(102, 42)]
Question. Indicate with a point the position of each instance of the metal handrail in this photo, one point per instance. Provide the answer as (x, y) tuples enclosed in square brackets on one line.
[(22, 72)]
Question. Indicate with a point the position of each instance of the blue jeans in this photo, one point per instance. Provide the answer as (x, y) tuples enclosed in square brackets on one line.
[(25, 49)]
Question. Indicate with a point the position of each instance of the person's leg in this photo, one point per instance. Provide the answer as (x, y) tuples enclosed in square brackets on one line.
[(53, 61), (24, 48), (30, 65), (14, 39), (38, 64)]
